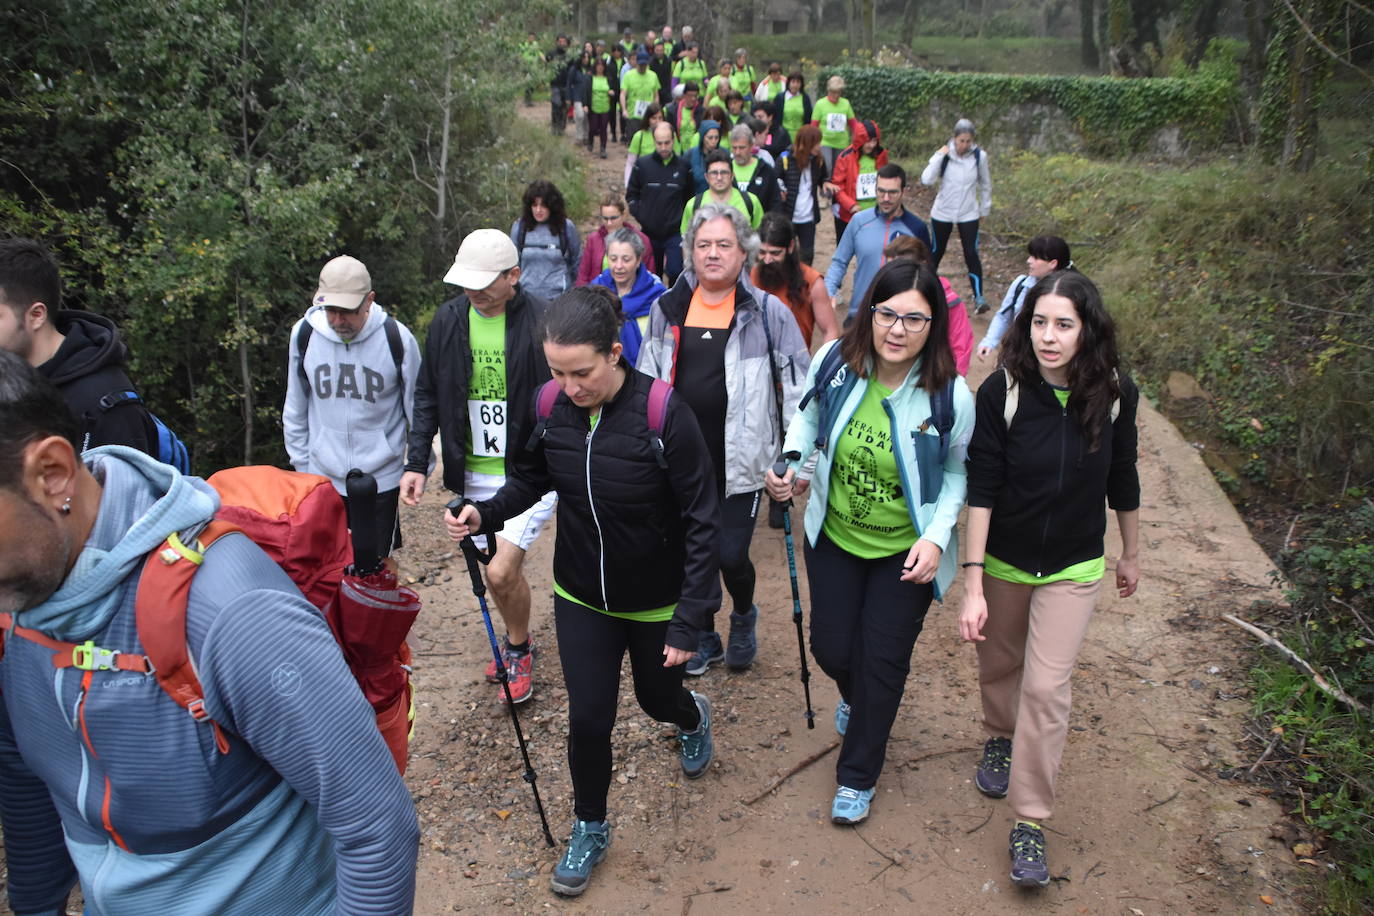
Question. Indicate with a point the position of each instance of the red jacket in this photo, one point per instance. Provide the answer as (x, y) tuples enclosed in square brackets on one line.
[(846, 177), (594, 251)]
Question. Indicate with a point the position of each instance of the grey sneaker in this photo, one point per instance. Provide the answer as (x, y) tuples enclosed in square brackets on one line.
[(994, 770), (1027, 849), (586, 847), (743, 645), (709, 651), (697, 748)]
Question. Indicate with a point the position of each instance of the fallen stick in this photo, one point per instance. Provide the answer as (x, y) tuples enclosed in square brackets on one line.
[(1161, 803), (1322, 684), (1273, 743), (795, 770)]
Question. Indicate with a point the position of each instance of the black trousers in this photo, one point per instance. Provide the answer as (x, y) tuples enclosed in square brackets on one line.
[(668, 256), (738, 515), (806, 241), (864, 624), (591, 646), (968, 239)]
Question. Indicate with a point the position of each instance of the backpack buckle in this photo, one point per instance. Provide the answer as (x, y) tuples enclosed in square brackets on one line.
[(197, 710), (89, 657)]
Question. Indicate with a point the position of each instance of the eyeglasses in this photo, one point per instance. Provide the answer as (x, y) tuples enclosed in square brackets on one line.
[(718, 173), (915, 322)]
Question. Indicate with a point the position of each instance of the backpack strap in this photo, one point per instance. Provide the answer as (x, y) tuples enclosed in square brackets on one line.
[(941, 417), (543, 409), (302, 344), (164, 590), (393, 340), (748, 204), (87, 655), (659, 392), (831, 366)]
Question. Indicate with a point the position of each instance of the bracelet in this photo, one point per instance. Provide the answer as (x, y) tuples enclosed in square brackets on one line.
[(971, 563)]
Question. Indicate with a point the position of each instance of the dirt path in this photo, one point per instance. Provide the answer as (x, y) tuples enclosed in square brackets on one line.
[(1145, 824)]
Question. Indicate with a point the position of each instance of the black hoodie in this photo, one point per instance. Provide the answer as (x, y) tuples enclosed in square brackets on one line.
[(88, 367)]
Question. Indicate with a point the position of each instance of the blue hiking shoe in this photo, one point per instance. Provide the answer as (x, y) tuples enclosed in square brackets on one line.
[(697, 748), (709, 651), (1027, 849), (994, 770), (586, 847), (850, 805), (842, 718)]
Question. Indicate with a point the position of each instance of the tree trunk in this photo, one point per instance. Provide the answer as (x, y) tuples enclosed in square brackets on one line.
[(441, 173), (246, 375), (870, 30), (1087, 47), (1297, 71), (909, 22), (1202, 28), (851, 12)]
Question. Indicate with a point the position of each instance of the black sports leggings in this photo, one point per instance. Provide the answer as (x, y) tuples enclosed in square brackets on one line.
[(864, 624), (591, 646), (968, 239), (737, 517)]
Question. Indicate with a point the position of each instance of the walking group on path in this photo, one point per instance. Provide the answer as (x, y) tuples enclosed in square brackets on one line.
[(652, 385)]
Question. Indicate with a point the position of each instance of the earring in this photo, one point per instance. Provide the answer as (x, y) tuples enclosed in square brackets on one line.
[(66, 507)]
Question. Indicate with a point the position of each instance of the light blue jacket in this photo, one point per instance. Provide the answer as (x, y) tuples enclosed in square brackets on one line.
[(907, 408), (1006, 313)]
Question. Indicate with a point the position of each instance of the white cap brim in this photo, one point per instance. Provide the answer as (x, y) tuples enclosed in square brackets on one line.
[(470, 278)]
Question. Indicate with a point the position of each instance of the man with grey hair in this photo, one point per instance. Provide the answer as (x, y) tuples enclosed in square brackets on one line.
[(734, 353), (752, 174)]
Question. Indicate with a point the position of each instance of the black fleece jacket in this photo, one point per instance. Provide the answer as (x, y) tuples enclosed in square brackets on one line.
[(88, 366), (1044, 487), (631, 535), (441, 391)]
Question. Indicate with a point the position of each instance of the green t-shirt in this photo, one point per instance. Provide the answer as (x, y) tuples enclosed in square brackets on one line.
[(653, 615), (642, 143), (753, 209), (686, 129), (866, 511), (487, 393), (744, 174), (639, 90), (834, 121), (770, 88), (866, 185), (719, 86), (792, 111), (691, 72), (601, 95), (743, 81)]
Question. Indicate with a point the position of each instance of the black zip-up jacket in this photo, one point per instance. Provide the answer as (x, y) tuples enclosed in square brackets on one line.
[(441, 391), (1044, 487), (631, 535), (88, 365), (658, 193), (764, 185), (791, 183)]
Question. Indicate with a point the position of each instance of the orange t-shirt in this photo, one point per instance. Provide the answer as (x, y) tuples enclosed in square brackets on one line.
[(806, 318), (700, 314)]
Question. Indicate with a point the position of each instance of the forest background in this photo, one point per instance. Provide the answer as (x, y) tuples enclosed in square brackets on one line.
[(194, 162)]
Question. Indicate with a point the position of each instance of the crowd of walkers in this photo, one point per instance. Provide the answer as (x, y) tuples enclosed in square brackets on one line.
[(655, 385)]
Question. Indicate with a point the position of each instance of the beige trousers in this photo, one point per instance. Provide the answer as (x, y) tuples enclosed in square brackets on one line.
[(1033, 636)]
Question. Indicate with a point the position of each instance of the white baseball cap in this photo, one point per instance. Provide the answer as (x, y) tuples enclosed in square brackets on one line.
[(482, 257), (344, 284)]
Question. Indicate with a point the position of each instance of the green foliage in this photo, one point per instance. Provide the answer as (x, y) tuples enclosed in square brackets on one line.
[(938, 46), (1254, 281), (1109, 115), (194, 164)]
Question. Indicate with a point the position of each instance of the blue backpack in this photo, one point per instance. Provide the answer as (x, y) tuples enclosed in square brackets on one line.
[(169, 448)]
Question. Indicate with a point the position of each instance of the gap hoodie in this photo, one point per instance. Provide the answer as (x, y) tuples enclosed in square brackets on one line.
[(306, 814), (357, 409)]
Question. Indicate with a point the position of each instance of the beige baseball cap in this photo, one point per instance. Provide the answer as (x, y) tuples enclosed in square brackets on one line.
[(344, 284), (484, 254)]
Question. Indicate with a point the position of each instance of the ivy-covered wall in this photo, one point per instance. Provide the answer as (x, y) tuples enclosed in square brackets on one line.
[(1056, 113)]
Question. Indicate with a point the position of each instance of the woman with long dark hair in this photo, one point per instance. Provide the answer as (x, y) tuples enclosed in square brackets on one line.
[(635, 563), (1055, 443), (888, 425), (547, 240)]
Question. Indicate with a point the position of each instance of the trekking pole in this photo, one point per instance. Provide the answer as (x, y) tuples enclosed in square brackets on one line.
[(362, 522), (476, 559), (780, 470)]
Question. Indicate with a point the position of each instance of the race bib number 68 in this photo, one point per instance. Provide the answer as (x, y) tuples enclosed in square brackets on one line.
[(487, 420)]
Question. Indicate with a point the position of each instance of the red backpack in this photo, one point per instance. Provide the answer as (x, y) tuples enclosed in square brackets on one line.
[(300, 522)]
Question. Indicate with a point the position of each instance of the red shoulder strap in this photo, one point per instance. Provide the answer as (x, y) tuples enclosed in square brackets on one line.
[(160, 611)]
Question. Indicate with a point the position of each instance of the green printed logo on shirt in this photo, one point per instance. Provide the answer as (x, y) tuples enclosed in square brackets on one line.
[(866, 511), (487, 414)]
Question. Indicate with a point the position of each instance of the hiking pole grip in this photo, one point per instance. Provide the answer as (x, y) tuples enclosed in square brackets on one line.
[(475, 556), (362, 522)]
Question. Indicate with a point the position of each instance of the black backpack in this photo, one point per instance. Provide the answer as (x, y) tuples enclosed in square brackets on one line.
[(977, 161), (393, 340), (563, 247)]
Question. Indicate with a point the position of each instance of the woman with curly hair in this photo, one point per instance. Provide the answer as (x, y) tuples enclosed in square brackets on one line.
[(547, 240), (1054, 443)]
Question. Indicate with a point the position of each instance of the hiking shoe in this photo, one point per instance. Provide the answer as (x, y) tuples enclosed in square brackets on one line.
[(980, 305), (697, 748), (490, 673), (586, 847), (709, 651), (742, 645), (776, 511), (1027, 849), (520, 670), (994, 770), (850, 805), (842, 718)]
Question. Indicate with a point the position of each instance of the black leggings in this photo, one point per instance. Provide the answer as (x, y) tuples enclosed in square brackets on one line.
[(591, 646), (737, 516), (806, 241), (864, 624), (968, 239)]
